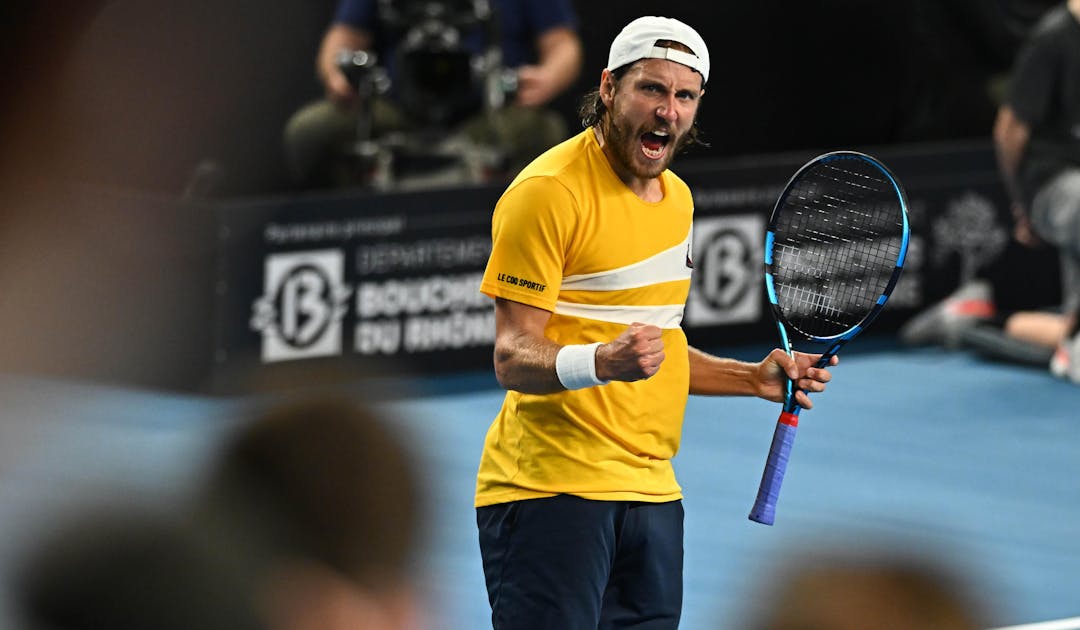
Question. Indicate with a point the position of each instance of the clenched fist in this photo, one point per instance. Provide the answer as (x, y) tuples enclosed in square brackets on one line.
[(635, 354)]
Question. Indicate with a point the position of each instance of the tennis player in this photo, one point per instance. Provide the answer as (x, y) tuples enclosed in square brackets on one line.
[(579, 512)]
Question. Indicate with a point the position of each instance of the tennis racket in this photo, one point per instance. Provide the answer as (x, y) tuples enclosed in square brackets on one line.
[(834, 249)]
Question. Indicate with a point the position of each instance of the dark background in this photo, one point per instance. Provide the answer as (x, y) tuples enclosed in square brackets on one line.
[(136, 93), (108, 109)]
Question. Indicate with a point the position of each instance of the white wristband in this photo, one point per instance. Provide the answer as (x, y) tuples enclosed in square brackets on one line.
[(576, 366)]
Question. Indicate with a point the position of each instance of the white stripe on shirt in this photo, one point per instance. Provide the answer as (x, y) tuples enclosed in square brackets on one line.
[(667, 266)]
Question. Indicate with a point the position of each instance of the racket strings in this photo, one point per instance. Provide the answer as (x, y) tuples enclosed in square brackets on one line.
[(838, 235)]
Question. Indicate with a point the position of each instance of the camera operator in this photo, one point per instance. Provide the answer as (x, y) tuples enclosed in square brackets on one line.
[(407, 80)]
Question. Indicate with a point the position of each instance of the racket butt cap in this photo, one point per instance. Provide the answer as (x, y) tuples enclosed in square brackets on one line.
[(764, 516)]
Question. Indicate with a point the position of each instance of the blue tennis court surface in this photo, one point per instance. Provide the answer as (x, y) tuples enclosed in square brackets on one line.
[(939, 453)]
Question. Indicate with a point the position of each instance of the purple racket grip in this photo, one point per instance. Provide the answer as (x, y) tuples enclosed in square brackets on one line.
[(764, 510)]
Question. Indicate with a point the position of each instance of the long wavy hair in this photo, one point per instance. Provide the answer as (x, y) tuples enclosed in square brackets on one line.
[(592, 111)]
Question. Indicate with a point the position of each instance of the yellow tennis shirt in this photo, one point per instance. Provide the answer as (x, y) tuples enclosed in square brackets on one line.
[(569, 237)]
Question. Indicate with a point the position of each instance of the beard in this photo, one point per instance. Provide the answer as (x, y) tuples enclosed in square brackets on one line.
[(625, 144)]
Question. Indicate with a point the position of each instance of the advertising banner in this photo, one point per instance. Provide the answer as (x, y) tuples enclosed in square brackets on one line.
[(389, 282)]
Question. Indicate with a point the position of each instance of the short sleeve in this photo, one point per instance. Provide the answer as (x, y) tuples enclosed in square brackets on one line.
[(531, 233), (356, 13), (1031, 92), (545, 15)]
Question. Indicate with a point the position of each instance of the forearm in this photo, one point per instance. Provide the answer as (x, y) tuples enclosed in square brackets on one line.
[(526, 364), (338, 37), (1011, 137), (716, 376), (526, 360), (557, 67), (1008, 165), (560, 57)]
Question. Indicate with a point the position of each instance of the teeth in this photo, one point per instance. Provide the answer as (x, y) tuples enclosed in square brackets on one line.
[(660, 133)]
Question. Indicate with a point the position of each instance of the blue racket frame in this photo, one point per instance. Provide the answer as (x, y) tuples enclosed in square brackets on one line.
[(764, 509)]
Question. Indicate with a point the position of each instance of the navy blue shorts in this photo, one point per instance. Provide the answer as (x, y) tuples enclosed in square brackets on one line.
[(570, 563)]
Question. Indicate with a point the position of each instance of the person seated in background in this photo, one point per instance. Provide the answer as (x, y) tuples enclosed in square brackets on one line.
[(415, 68), (1037, 140)]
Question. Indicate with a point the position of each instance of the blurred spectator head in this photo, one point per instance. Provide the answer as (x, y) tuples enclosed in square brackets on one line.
[(885, 591), (128, 570), (322, 495)]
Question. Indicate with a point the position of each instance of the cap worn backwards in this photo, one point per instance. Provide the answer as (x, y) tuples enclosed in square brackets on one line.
[(638, 40)]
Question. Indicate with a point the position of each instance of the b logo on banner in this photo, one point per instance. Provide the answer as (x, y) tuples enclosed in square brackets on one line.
[(727, 276), (303, 302)]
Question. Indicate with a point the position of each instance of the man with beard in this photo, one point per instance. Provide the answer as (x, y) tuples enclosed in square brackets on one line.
[(579, 512)]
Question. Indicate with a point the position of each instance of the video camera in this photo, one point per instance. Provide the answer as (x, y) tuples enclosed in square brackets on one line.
[(440, 78), (442, 75)]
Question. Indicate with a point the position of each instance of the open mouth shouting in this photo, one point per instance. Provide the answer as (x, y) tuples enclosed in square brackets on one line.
[(654, 144)]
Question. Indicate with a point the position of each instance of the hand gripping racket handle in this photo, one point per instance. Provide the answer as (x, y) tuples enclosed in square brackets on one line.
[(764, 510)]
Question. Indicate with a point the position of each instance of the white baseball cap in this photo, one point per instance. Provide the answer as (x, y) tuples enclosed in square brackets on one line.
[(638, 40)]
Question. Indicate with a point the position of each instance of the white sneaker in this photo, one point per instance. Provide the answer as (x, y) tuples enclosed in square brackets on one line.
[(944, 322), (1066, 360)]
